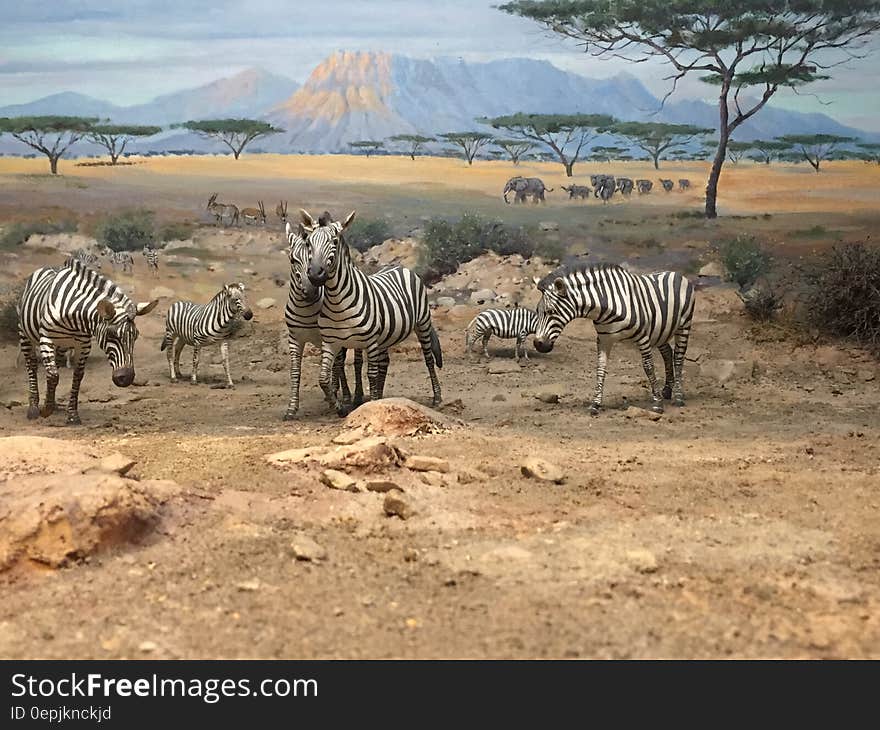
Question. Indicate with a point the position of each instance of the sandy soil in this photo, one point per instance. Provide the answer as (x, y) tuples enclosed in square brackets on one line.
[(746, 524)]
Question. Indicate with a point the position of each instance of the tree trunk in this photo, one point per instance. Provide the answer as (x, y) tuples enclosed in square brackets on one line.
[(656, 161), (412, 156), (720, 153), (53, 164), (569, 168), (113, 158), (236, 153)]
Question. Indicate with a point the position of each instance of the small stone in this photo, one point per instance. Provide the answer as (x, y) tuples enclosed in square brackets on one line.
[(504, 367), (713, 268), (867, 376), (381, 485), (248, 586), (304, 548), (547, 397), (338, 480), (116, 463), (147, 647), (482, 296), (642, 561), (266, 303), (542, 470), (410, 555), (445, 302), (427, 463), (548, 226), (396, 507), (634, 412), (499, 397)]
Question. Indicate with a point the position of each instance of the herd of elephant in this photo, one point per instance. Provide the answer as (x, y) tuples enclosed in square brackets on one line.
[(604, 187)]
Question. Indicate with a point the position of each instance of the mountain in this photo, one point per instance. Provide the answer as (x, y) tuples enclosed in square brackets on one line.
[(67, 103)]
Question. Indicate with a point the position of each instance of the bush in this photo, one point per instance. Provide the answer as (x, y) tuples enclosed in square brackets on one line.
[(18, 233), (843, 294), (365, 233), (745, 261), (8, 316), (176, 232), (126, 231), (762, 302)]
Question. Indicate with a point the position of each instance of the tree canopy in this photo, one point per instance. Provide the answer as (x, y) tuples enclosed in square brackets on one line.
[(767, 149), (566, 135), (655, 138), (51, 135), (415, 143), (367, 146), (234, 133), (757, 45), (469, 142), (115, 137), (737, 150), (515, 148), (869, 151), (815, 148)]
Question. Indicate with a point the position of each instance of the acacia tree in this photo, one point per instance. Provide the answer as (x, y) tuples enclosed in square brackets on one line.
[(469, 142), (747, 44), (656, 137), (236, 134), (815, 148), (767, 149), (52, 136), (737, 150), (869, 151), (415, 143), (367, 146), (515, 148), (566, 135), (114, 137), (607, 154)]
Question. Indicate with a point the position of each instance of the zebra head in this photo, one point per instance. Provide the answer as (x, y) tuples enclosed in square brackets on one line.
[(236, 301), (116, 333), (558, 306), (298, 253), (324, 245)]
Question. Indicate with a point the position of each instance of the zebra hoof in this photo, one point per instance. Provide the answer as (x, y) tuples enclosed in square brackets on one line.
[(343, 410), (289, 415), (667, 392), (47, 410), (74, 420), (679, 402), (33, 412), (657, 408), (358, 400), (594, 409)]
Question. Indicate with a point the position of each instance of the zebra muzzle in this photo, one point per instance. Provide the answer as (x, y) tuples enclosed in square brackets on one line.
[(247, 314), (542, 346), (317, 275), (123, 377)]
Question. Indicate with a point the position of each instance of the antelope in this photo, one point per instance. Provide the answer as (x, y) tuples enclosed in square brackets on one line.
[(281, 211), (252, 215), (221, 209)]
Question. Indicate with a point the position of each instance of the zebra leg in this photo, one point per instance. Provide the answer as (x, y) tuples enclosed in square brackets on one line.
[(32, 363), (49, 356), (194, 378), (648, 364), (178, 348), (78, 371), (522, 344), (486, 338), (296, 350), (666, 352), (373, 356), (340, 383), (358, 381), (425, 340), (681, 343), (384, 362), (325, 379), (224, 353), (603, 350)]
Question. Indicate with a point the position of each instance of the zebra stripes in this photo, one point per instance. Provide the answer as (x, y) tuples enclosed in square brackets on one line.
[(152, 257), (87, 258), (119, 258), (371, 313), (651, 310), (301, 317), (63, 309), (506, 324), (198, 325)]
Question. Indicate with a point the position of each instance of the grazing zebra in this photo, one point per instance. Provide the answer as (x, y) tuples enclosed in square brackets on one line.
[(62, 309), (119, 258), (684, 184), (197, 325), (506, 324), (625, 186), (301, 316), (152, 257), (667, 184), (652, 310), (371, 313), (644, 186), (87, 258), (578, 191)]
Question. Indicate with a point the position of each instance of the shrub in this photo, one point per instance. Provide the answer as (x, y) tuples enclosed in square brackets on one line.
[(176, 231), (745, 260), (18, 233), (126, 231), (8, 316), (550, 249), (762, 302), (843, 293), (365, 233)]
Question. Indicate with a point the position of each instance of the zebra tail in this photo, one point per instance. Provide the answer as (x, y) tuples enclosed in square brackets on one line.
[(166, 340), (435, 348)]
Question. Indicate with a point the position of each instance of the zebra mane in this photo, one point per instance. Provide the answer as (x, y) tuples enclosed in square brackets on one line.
[(575, 266), (97, 280)]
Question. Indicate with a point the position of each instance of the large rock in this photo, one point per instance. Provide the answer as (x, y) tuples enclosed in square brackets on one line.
[(369, 454), (541, 470), (266, 303), (713, 268), (398, 417), (445, 302), (483, 296)]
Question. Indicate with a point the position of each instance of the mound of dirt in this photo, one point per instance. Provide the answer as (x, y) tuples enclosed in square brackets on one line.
[(398, 417), (64, 242), (403, 251)]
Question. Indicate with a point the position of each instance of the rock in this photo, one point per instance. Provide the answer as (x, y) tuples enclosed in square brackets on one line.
[(713, 268), (445, 302), (161, 292), (116, 463), (867, 376), (147, 647), (461, 311), (503, 367), (10, 404), (398, 417), (483, 296), (396, 507), (305, 548), (722, 371), (381, 485), (642, 561), (635, 412), (547, 397), (347, 438), (427, 463), (370, 454), (266, 303), (548, 226), (695, 354), (542, 470), (294, 456), (499, 397), (338, 480), (248, 586)]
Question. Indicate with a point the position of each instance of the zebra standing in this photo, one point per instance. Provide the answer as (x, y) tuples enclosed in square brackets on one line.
[(63, 309), (518, 322), (197, 325), (152, 257), (371, 313), (652, 310), (301, 316), (119, 258), (86, 258)]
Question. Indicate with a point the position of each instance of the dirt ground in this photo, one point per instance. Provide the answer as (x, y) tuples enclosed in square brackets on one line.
[(746, 524)]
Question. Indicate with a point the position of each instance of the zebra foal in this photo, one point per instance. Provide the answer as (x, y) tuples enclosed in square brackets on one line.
[(506, 324), (119, 258), (650, 310), (152, 257), (198, 325)]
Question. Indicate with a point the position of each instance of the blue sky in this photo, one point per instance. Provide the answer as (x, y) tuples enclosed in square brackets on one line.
[(129, 51)]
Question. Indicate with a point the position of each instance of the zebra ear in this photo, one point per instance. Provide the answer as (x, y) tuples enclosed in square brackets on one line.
[(560, 286), (146, 307), (536, 281), (307, 220), (347, 222), (106, 309)]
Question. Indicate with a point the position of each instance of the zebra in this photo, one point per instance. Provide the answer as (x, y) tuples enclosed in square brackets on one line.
[(518, 322), (578, 191), (652, 310), (87, 258), (119, 258), (667, 184), (525, 186), (371, 313), (301, 316), (197, 325), (644, 186), (152, 257), (63, 309), (625, 186), (684, 184)]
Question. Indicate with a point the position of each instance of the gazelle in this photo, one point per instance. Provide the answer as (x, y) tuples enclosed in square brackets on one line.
[(252, 215), (281, 211), (222, 209)]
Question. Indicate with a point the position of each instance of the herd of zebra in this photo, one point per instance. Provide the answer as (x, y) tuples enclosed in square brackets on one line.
[(604, 187), (117, 259), (336, 306)]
